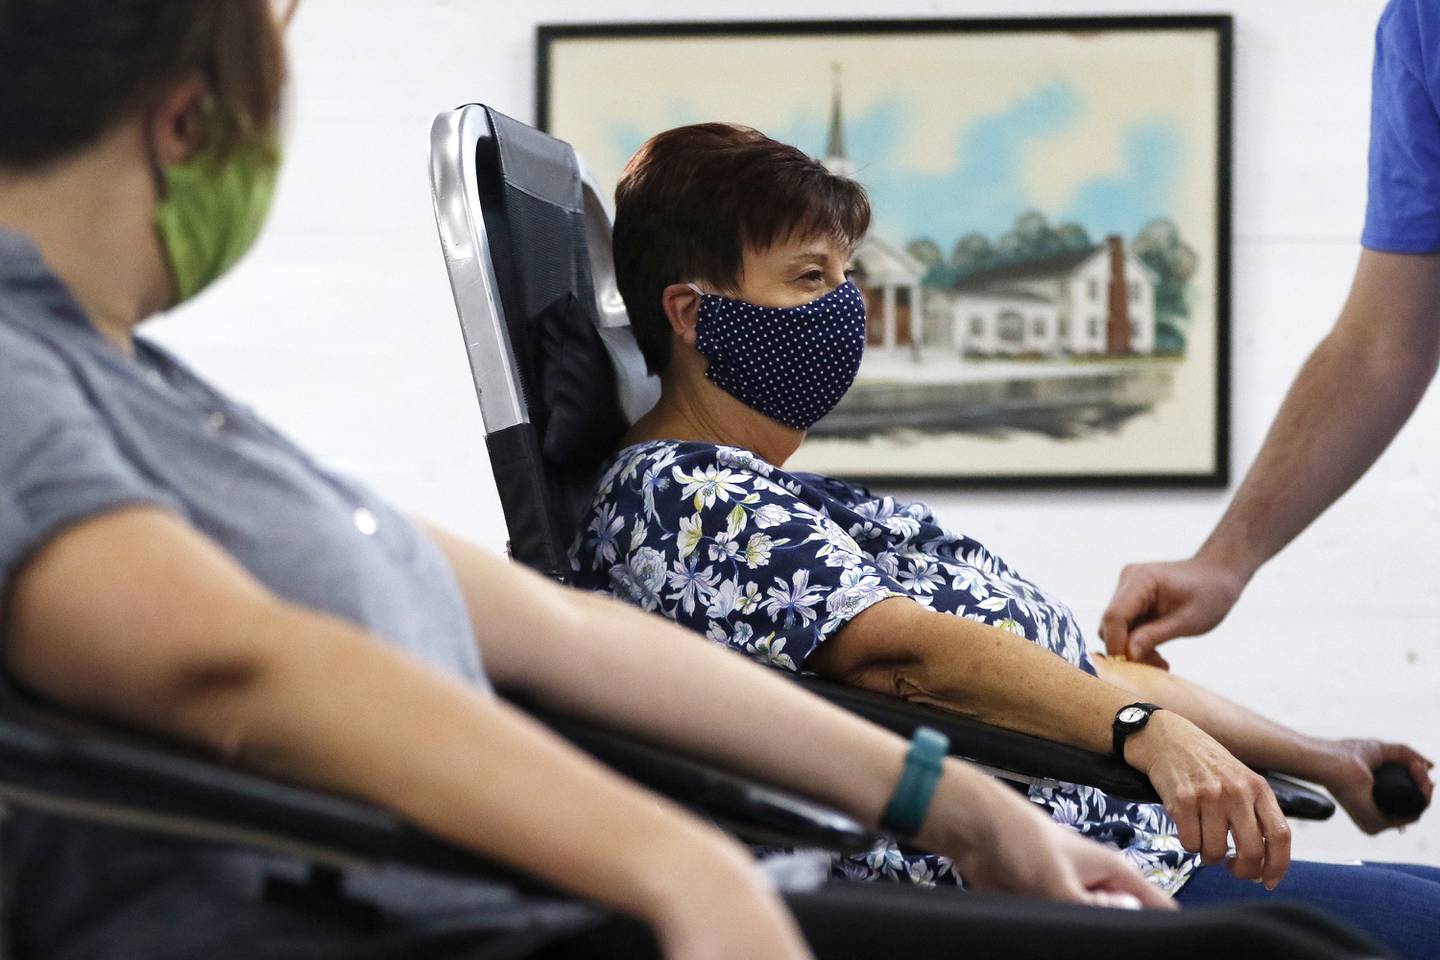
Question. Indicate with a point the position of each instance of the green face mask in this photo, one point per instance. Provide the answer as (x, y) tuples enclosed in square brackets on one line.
[(212, 211)]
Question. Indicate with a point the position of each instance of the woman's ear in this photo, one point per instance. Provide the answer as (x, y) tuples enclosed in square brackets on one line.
[(682, 308), (177, 125)]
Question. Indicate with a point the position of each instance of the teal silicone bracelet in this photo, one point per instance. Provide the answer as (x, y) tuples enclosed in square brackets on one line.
[(923, 763)]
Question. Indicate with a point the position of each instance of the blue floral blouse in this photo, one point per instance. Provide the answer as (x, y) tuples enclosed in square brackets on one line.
[(772, 563)]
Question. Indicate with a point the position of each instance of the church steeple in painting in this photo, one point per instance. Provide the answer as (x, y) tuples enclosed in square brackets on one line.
[(836, 159)]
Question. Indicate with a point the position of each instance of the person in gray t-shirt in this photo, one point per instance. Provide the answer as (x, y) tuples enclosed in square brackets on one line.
[(169, 561)]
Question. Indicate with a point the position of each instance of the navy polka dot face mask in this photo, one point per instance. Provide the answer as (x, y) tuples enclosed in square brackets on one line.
[(792, 364)]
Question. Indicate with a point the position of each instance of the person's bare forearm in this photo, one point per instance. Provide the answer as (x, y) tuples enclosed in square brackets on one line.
[(381, 726), (1354, 393), (712, 702), (1352, 396), (1342, 411), (596, 658), (1257, 740), (590, 655), (903, 649), (899, 647)]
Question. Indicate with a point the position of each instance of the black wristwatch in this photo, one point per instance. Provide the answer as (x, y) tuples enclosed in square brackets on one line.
[(1130, 719)]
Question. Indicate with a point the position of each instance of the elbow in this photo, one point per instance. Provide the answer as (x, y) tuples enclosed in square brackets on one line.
[(209, 703), (1427, 362), (215, 697), (183, 686), (1411, 365), (907, 677), (914, 686), (880, 650), (1403, 353)]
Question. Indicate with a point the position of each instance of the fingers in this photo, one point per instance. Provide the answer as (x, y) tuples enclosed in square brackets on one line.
[(1418, 766), (1107, 876), (1113, 901), (1420, 770), (1128, 627), (1184, 809), (1125, 880), (1131, 601), (1115, 635), (1246, 812), (1276, 830), (1152, 899), (1249, 859), (1144, 640), (1214, 832)]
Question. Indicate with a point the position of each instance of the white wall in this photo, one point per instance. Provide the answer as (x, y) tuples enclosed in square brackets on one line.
[(340, 328)]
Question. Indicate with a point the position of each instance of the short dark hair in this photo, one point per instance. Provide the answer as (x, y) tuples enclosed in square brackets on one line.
[(71, 69), (691, 202)]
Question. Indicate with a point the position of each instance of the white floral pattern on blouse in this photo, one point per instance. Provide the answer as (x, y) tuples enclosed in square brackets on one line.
[(771, 564)]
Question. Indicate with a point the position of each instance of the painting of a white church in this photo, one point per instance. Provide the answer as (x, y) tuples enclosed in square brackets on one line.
[(1045, 293), (1095, 301)]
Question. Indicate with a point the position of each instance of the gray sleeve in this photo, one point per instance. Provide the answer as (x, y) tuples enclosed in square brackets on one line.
[(59, 463)]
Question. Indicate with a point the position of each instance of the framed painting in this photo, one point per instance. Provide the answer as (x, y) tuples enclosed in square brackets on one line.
[(1047, 271)]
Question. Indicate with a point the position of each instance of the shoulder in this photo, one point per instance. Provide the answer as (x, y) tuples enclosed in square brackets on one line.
[(662, 463), (1402, 19), (842, 490), (1405, 39), (632, 463), (36, 378), (865, 504), (1398, 33), (1403, 209), (691, 455), (23, 352)]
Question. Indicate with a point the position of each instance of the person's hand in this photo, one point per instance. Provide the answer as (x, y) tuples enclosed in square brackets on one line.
[(1353, 779), (1212, 797), (1156, 602), (1002, 843), (720, 907)]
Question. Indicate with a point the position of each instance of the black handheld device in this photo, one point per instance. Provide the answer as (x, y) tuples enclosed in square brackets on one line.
[(1396, 793)]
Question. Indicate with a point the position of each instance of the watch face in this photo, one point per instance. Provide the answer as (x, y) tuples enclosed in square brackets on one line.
[(1132, 715)]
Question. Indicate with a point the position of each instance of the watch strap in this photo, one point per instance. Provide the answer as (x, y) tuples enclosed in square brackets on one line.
[(924, 762), (1121, 731)]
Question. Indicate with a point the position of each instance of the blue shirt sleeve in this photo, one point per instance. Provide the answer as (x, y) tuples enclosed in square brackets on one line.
[(1403, 209), (59, 463)]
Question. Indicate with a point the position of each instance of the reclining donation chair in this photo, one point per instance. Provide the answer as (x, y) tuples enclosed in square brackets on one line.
[(53, 764), (526, 238), (56, 764)]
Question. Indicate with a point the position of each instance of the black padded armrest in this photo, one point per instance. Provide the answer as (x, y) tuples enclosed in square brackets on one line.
[(1300, 800), (1006, 751), (753, 812), (1025, 757), (54, 763)]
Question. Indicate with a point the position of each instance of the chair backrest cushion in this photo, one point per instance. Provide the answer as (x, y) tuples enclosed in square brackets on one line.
[(535, 220)]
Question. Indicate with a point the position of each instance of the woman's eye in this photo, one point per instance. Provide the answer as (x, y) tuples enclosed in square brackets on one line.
[(813, 276)]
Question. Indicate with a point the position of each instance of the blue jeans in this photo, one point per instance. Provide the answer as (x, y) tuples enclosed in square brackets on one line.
[(1395, 904)]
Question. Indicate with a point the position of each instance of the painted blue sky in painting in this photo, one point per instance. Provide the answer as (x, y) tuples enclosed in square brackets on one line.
[(983, 190)]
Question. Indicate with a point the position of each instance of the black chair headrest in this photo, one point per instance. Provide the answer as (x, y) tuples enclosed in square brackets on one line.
[(534, 208)]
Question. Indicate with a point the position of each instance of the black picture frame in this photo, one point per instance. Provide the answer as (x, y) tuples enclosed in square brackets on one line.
[(549, 37)]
